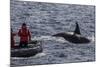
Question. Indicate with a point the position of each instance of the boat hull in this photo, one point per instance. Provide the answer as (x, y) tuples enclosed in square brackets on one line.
[(25, 52)]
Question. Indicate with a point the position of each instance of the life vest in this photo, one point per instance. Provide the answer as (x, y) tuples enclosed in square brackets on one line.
[(24, 35)]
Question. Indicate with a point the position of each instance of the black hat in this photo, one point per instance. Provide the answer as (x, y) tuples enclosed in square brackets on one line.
[(24, 24)]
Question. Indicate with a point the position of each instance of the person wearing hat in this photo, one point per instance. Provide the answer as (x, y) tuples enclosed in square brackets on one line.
[(25, 36)]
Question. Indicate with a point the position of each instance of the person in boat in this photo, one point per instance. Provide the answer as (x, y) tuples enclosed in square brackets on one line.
[(25, 36), (12, 39)]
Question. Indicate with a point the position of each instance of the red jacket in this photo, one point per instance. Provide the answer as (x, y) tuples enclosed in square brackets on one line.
[(24, 35)]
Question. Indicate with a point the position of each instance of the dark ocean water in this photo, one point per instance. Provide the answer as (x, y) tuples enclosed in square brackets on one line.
[(46, 19)]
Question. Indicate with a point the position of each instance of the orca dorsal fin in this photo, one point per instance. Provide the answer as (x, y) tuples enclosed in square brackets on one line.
[(77, 29)]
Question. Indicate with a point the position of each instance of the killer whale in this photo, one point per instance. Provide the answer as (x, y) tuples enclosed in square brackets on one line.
[(75, 37)]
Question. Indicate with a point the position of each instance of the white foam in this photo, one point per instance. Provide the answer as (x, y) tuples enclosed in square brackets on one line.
[(36, 56), (42, 38), (92, 38), (40, 55), (58, 39)]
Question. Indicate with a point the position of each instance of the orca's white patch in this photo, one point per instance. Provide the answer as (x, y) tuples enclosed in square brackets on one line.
[(70, 33)]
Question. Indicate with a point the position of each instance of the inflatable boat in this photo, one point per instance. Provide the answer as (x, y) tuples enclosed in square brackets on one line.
[(31, 50)]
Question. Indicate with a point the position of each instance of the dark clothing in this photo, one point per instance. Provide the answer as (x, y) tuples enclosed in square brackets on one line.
[(23, 44), (12, 40)]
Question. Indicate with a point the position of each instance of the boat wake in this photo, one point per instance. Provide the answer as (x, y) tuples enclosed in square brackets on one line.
[(39, 55), (50, 38)]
